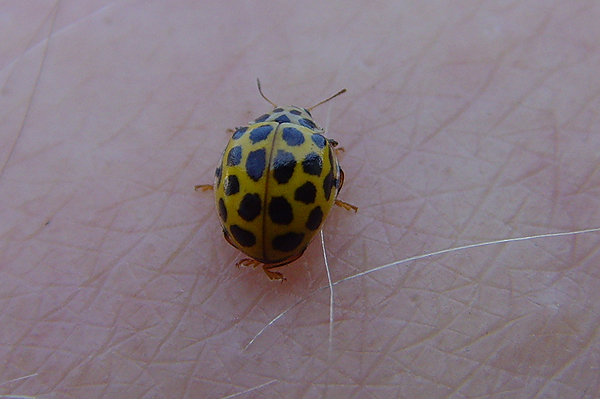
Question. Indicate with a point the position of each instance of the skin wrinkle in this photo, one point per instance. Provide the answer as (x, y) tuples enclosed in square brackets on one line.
[(30, 99)]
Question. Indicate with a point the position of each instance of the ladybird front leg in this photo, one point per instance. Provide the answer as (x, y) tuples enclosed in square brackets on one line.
[(203, 187), (334, 145), (231, 131)]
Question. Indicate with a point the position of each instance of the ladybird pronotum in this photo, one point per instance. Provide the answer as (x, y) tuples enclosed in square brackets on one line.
[(276, 182)]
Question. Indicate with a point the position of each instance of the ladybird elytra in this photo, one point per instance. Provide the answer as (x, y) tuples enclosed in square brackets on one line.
[(275, 185)]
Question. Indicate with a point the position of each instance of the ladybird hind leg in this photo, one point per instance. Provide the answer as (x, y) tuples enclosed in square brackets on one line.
[(273, 275), (247, 262)]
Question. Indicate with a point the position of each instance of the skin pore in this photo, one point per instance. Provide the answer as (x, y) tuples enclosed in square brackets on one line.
[(464, 123)]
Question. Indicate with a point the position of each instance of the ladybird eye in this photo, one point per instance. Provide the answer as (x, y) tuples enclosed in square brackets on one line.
[(307, 111)]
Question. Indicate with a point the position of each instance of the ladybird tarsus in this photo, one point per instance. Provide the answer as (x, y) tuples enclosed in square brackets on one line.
[(273, 276), (248, 262)]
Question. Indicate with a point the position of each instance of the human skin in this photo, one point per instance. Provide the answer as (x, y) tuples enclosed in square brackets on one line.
[(464, 122)]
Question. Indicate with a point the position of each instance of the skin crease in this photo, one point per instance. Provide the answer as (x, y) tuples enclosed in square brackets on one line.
[(464, 122)]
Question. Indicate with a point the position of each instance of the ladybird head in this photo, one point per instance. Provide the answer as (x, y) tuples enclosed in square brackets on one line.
[(290, 114)]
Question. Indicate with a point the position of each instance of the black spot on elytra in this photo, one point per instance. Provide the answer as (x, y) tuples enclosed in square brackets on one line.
[(295, 112), (231, 185), (234, 156), (218, 174), (260, 133), (256, 163), (328, 184), (319, 140), (292, 136), (239, 132), (250, 207), (222, 210), (314, 218), (306, 193), (313, 164), (283, 166), (280, 211), (244, 237), (287, 242)]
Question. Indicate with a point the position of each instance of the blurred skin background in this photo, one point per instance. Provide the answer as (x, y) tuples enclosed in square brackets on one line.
[(464, 122)]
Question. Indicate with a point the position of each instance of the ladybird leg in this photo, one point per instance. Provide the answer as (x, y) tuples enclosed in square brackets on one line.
[(247, 262), (346, 205), (232, 131), (276, 275), (203, 187), (334, 144), (341, 203), (273, 275)]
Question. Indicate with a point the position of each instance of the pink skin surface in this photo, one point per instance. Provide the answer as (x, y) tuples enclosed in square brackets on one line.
[(464, 122)]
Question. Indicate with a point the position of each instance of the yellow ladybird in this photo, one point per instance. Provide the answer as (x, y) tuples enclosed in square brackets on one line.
[(275, 185)]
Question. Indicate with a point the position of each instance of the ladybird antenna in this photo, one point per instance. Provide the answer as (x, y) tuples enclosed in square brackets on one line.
[(262, 94), (327, 99)]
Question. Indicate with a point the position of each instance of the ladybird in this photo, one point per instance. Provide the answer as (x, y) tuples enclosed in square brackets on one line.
[(276, 183)]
